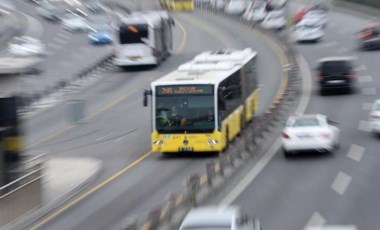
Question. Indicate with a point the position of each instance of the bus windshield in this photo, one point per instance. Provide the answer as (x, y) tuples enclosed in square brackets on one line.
[(190, 113), (130, 34)]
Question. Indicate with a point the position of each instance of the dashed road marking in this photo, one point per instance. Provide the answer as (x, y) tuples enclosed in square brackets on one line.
[(368, 91), (316, 220), (356, 152), (367, 106), (330, 44), (341, 183), (364, 126), (363, 79)]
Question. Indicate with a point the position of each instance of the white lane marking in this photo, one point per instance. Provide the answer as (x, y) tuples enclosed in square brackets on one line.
[(361, 68), (119, 139), (367, 106), (54, 46), (103, 137), (364, 126), (363, 79), (368, 91), (341, 183), (60, 40), (260, 165), (316, 220), (356, 152)]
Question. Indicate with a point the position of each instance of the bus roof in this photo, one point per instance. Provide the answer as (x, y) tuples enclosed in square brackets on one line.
[(152, 18), (210, 67)]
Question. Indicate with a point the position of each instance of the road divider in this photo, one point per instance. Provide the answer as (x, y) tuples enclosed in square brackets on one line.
[(255, 139)]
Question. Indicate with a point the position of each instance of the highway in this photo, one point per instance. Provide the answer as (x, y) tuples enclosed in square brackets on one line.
[(68, 53), (336, 189), (117, 130)]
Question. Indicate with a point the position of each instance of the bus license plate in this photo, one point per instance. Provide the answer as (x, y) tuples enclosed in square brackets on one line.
[(185, 149)]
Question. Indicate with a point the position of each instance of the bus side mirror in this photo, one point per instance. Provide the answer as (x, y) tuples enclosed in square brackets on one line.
[(145, 100)]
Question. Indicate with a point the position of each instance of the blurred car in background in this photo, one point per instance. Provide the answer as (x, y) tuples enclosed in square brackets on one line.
[(310, 132), (74, 23), (316, 17), (274, 20), (100, 34), (219, 218), (300, 13), (217, 4), (95, 7), (374, 117), (50, 11), (369, 37), (256, 11), (336, 73), (305, 32), (26, 46), (236, 7), (277, 4)]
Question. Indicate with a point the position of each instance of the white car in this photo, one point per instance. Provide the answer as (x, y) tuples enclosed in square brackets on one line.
[(217, 4), (316, 17), (310, 132), (274, 20), (219, 218), (278, 4), (305, 32), (375, 117), (25, 46), (256, 11), (236, 7), (74, 22)]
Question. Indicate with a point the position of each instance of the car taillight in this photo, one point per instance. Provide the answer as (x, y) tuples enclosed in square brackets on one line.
[(376, 116), (285, 135), (325, 135), (320, 77), (351, 74), (364, 35)]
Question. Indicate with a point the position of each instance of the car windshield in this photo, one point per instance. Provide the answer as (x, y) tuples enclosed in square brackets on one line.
[(305, 122), (181, 109), (334, 67)]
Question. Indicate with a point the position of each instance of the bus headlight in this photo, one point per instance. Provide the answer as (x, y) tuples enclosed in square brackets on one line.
[(158, 142), (212, 141)]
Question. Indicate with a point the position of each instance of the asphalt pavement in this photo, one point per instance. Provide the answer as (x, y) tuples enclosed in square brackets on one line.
[(117, 129), (337, 189)]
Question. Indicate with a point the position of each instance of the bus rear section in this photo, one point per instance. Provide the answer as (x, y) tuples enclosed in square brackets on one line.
[(143, 40)]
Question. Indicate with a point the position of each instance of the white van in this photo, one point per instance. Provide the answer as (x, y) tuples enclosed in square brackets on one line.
[(221, 218)]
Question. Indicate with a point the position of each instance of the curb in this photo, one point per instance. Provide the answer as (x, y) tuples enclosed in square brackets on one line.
[(32, 216)]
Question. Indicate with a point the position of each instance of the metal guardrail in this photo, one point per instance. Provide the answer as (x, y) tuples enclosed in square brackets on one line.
[(198, 188)]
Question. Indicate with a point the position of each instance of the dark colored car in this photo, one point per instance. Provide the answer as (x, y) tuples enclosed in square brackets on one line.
[(336, 73), (369, 37)]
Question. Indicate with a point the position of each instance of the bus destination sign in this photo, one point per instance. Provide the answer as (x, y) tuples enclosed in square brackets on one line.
[(184, 89)]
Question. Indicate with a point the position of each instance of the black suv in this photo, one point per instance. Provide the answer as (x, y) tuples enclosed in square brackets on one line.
[(336, 73)]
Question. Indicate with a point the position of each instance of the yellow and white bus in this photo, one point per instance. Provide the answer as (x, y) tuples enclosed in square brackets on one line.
[(205, 103), (178, 5)]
